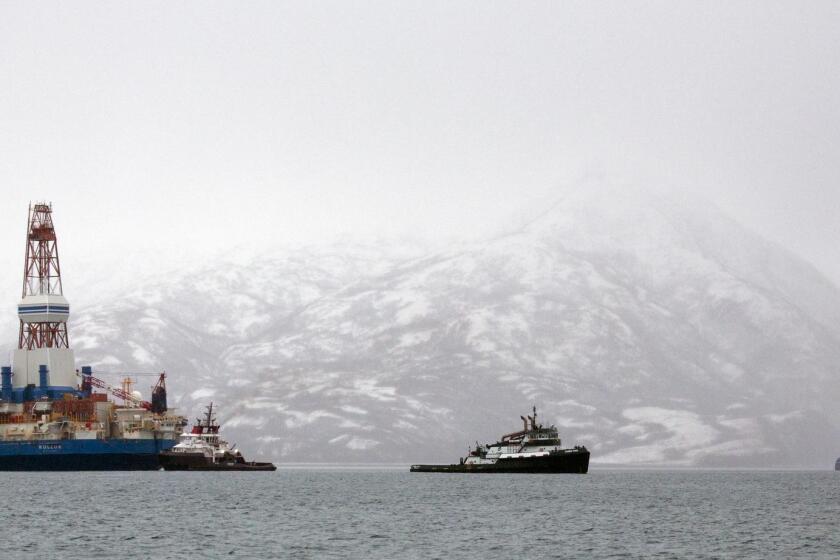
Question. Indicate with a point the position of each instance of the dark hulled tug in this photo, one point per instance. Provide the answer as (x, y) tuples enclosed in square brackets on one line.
[(534, 449), (203, 449)]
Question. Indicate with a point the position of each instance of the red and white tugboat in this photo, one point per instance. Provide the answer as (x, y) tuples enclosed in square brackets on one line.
[(203, 449)]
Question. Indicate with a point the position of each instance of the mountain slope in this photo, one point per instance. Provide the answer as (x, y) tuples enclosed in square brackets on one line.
[(651, 331)]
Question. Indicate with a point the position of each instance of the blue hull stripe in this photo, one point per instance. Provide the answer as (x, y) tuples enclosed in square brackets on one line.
[(94, 454), (82, 455), (83, 446)]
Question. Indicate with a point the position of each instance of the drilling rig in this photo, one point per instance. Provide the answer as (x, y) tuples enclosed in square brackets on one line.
[(50, 416), (43, 312)]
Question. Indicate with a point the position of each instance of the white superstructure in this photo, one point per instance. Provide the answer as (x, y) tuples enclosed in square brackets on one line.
[(537, 441), (40, 309)]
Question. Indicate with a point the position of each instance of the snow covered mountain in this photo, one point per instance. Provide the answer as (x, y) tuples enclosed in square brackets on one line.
[(652, 331)]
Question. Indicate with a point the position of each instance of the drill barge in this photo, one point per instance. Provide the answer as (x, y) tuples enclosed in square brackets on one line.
[(51, 416)]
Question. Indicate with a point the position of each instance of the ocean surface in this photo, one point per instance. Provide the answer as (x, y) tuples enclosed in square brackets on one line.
[(389, 513)]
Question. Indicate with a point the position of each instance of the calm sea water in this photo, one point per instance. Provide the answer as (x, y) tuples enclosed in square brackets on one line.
[(346, 513)]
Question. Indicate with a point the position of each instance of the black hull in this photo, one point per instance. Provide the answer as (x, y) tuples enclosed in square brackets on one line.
[(223, 467), (81, 462), (573, 462), (173, 461)]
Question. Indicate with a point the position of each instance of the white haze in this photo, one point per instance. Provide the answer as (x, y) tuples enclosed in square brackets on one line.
[(186, 145), (177, 128)]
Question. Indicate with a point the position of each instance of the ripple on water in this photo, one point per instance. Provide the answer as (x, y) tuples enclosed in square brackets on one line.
[(394, 514)]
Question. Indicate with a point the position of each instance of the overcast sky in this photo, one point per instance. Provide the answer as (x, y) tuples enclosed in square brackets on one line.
[(205, 124)]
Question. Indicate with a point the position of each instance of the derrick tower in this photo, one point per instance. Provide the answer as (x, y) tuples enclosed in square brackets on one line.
[(43, 310)]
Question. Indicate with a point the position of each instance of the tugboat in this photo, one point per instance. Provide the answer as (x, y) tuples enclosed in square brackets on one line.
[(534, 449), (203, 449)]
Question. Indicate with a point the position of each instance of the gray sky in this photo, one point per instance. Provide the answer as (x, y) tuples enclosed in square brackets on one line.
[(151, 125)]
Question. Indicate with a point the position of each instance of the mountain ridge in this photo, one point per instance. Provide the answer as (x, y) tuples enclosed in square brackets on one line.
[(653, 332)]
